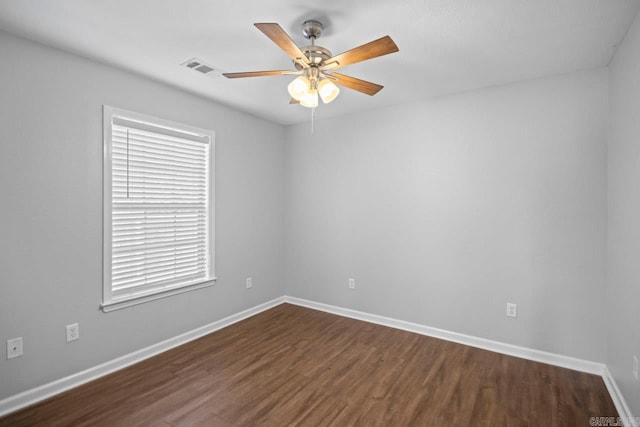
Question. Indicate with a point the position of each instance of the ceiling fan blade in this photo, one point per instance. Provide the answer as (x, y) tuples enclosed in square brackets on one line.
[(355, 84), (380, 47), (282, 39), (294, 101), (259, 73)]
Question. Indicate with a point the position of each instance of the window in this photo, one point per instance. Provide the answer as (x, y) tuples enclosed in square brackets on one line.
[(158, 210)]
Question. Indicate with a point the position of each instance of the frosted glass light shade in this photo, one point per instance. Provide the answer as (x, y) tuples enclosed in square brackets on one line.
[(327, 90), (299, 87), (310, 100)]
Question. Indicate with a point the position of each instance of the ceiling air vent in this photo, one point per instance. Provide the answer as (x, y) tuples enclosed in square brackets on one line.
[(202, 67)]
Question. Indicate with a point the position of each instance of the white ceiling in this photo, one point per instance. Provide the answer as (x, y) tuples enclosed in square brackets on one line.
[(446, 46)]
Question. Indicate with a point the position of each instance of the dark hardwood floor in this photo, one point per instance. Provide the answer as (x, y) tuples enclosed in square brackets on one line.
[(296, 366)]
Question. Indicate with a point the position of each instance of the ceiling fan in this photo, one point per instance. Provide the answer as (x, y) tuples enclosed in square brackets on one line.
[(315, 65)]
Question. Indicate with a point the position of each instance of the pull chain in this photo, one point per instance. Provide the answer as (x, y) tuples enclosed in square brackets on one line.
[(312, 116)]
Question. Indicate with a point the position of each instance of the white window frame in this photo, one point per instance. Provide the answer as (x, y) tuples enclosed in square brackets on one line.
[(109, 301)]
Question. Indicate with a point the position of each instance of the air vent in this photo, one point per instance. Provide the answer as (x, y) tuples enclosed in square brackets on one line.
[(202, 67)]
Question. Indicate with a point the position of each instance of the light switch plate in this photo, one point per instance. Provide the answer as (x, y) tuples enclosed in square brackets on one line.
[(512, 309)]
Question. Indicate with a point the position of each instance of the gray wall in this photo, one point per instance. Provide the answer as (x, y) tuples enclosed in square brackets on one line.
[(444, 210), (51, 224), (623, 267)]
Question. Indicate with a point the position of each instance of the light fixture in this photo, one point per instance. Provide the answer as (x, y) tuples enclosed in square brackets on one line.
[(299, 87), (310, 99), (306, 88), (327, 90)]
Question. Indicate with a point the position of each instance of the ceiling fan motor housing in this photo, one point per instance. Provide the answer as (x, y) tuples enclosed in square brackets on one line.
[(312, 28), (316, 54)]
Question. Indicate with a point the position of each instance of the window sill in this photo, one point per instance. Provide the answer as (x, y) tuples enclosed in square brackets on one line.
[(118, 305)]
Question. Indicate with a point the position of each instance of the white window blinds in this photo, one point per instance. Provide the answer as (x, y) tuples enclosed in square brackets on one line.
[(158, 208)]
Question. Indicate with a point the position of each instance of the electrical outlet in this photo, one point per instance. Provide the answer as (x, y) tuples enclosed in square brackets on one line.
[(14, 348), (352, 283), (249, 283), (635, 367), (512, 309), (73, 332)]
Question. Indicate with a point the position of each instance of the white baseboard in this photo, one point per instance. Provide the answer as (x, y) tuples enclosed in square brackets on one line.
[(499, 347), (618, 399), (29, 397)]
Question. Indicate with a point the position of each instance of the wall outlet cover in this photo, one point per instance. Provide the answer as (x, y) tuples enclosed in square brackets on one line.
[(73, 332), (14, 348), (249, 282)]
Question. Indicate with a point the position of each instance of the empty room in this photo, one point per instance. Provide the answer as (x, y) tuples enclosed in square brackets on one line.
[(365, 213)]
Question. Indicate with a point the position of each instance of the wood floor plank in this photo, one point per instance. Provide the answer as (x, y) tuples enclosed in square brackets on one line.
[(296, 366)]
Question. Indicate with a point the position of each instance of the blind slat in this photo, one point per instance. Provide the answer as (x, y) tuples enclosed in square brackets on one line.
[(194, 250), (133, 226), (120, 247), (159, 178), (145, 182), (142, 167), (142, 204), (157, 145), (166, 227), (135, 153), (161, 258), (152, 287), (124, 239), (133, 259), (157, 277), (146, 270)]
